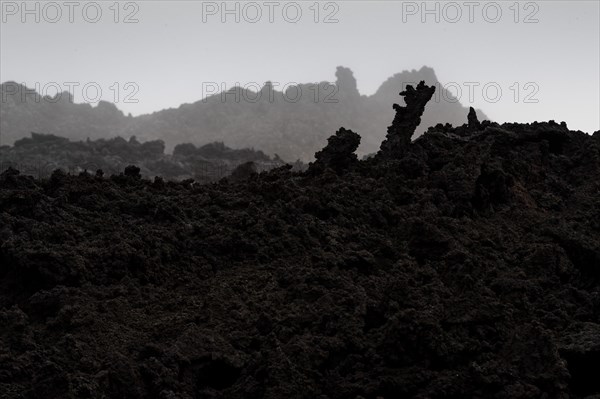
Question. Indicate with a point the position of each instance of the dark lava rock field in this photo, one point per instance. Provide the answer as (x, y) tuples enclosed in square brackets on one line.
[(41, 154), (464, 264)]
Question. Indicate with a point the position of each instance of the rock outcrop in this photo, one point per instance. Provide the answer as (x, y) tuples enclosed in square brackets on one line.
[(346, 82), (293, 121), (40, 154), (339, 154), (468, 267), (473, 121), (406, 120)]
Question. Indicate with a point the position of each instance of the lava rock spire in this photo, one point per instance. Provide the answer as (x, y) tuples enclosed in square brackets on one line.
[(406, 120)]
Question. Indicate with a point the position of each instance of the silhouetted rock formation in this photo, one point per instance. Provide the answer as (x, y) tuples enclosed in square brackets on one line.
[(339, 152), (406, 120), (346, 82), (467, 268), (473, 122), (295, 124), (40, 154)]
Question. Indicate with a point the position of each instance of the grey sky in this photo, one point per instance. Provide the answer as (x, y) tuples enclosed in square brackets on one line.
[(171, 51)]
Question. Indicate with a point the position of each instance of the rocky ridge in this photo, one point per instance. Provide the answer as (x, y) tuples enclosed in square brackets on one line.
[(467, 264)]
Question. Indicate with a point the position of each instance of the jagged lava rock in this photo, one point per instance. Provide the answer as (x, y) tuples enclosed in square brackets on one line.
[(406, 120), (339, 152), (466, 266)]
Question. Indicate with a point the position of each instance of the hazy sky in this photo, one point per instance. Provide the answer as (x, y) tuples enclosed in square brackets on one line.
[(544, 51)]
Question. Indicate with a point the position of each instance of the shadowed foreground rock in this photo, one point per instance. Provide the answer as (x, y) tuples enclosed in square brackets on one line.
[(468, 267), (339, 153)]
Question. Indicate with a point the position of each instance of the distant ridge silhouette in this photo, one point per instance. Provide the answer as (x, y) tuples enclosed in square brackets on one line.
[(272, 121)]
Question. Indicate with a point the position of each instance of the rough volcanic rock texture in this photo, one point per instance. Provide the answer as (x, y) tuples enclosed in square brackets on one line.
[(473, 121), (406, 120), (40, 154), (469, 267), (339, 153)]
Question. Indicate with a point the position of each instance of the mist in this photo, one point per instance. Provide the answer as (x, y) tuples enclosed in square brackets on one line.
[(299, 199), (516, 62)]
